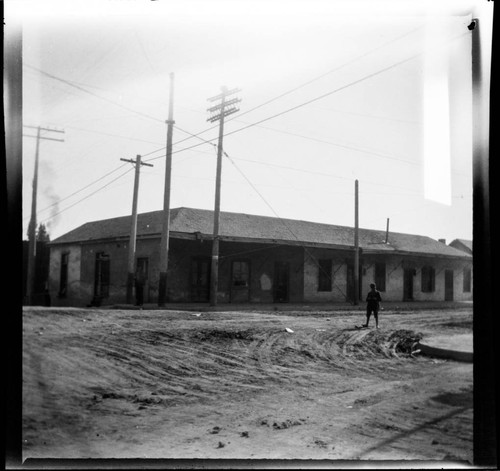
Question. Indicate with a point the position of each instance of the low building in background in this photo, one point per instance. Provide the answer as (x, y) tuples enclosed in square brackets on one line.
[(462, 244), (262, 260)]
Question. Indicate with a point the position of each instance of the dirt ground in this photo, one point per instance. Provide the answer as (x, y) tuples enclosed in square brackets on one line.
[(103, 383)]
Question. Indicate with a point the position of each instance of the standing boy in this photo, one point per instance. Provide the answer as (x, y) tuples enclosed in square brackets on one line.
[(373, 300)]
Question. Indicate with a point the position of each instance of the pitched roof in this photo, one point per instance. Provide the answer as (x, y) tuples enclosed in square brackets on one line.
[(258, 228), (462, 244)]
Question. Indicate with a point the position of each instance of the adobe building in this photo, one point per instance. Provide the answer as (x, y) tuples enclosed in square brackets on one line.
[(262, 260)]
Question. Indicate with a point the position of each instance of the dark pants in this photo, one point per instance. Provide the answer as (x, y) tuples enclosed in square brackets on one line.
[(369, 310), (139, 294)]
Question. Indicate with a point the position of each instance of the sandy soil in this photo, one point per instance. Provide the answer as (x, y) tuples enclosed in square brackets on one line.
[(238, 385)]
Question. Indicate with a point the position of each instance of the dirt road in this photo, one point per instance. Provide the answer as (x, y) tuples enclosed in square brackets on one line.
[(162, 384)]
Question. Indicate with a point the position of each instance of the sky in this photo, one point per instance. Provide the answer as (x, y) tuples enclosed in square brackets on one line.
[(331, 92)]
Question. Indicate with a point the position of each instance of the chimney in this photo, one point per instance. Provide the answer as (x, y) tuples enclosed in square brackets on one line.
[(387, 233), (443, 241)]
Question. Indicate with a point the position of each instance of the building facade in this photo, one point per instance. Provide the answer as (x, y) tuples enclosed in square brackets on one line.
[(262, 260)]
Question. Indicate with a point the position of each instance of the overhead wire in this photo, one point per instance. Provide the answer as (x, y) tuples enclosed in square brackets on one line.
[(78, 87), (112, 135), (80, 190), (282, 221), (52, 216), (320, 97), (205, 141), (338, 89), (335, 69)]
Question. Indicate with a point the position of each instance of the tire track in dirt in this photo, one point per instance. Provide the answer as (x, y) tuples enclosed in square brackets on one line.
[(131, 367)]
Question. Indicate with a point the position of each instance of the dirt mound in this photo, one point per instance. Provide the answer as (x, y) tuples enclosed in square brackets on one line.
[(394, 344), (403, 341)]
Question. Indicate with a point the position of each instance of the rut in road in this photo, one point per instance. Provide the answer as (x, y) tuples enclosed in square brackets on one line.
[(199, 363)]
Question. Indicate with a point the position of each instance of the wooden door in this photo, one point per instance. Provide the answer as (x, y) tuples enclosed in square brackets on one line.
[(281, 282), (101, 276), (408, 274), (200, 279)]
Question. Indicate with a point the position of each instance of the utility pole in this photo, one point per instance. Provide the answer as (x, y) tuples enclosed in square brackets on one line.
[(356, 244), (225, 108), (165, 233), (30, 276), (133, 227)]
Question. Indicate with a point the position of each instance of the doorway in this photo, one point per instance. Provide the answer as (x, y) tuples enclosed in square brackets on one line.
[(448, 285), (200, 279), (240, 281), (408, 275), (101, 276), (281, 282)]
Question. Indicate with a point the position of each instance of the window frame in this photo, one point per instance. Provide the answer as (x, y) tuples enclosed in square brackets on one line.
[(467, 280), (233, 279), (428, 279)]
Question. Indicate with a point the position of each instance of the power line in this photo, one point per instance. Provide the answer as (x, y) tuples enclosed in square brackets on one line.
[(345, 146), (283, 222), (78, 87), (80, 190), (112, 135), (88, 196), (312, 172), (338, 89), (320, 97), (371, 51)]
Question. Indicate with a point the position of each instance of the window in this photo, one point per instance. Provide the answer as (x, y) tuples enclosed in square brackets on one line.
[(63, 279), (428, 279), (467, 280), (325, 275), (241, 274), (380, 276)]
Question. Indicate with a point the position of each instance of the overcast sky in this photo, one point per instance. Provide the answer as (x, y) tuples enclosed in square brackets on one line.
[(331, 92)]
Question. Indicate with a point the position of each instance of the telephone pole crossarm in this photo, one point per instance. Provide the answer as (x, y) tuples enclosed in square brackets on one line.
[(226, 103)]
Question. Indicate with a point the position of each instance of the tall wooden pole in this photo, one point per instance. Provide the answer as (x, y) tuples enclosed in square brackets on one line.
[(356, 244), (165, 234), (222, 112), (133, 229), (214, 278), (30, 274)]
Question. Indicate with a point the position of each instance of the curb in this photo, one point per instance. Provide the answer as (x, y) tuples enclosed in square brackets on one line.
[(446, 353)]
